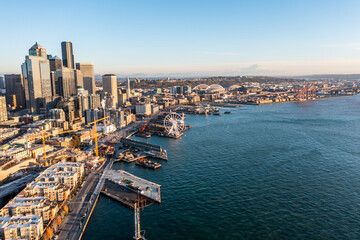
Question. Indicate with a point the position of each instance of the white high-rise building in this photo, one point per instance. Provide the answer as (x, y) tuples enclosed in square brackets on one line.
[(3, 109), (110, 87), (36, 73), (87, 70)]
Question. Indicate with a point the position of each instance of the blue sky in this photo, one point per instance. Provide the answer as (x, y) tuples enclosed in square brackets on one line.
[(188, 37)]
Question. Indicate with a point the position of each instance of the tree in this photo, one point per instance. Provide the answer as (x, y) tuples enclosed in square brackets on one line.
[(75, 141)]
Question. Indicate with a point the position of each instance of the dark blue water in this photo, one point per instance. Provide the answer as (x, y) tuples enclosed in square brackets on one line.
[(284, 171)]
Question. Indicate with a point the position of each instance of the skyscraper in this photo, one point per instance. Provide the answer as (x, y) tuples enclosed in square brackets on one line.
[(110, 86), (15, 87), (2, 82), (3, 109), (87, 70), (79, 78), (121, 98), (36, 73), (94, 101), (128, 89), (37, 50), (65, 82), (67, 55), (55, 63)]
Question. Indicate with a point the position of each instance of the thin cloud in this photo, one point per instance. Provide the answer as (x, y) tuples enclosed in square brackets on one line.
[(353, 45)]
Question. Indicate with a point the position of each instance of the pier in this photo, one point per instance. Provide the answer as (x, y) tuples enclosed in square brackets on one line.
[(125, 188), (133, 183), (146, 148)]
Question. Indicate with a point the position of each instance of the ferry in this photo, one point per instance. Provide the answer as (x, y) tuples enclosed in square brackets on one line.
[(147, 163)]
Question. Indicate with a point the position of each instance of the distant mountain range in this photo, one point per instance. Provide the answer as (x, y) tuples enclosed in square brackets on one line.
[(330, 76)]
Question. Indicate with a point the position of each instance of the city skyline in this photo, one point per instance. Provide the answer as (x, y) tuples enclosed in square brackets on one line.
[(185, 38)]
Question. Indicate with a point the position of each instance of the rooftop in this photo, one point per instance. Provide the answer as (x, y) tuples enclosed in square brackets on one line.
[(36, 46), (55, 57)]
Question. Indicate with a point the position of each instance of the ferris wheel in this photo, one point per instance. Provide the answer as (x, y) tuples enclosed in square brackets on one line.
[(174, 124)]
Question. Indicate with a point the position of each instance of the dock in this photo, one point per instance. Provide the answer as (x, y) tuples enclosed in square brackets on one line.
[(123, 195), (131, 182), (146, 148), (228, 105)]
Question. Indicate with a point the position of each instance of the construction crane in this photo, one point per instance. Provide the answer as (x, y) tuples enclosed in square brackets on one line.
[(141, 129), (43, 137), (95, 133)]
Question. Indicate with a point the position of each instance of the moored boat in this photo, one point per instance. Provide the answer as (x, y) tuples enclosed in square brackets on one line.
[(143, 134), (147, 163)]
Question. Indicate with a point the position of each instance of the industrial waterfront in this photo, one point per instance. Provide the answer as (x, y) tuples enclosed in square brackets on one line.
[(283, 171)]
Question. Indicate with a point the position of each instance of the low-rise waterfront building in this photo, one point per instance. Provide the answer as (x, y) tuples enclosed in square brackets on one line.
[(54, 191), (23, 227), (29, 206)]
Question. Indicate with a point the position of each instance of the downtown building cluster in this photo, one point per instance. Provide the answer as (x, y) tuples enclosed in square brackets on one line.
[(54, 95), (62, 89), (36, 208)]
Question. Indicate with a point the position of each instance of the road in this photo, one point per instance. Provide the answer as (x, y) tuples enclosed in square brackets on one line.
[(69, 228)]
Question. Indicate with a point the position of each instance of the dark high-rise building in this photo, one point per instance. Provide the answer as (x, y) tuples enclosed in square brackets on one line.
[(2, 82), (65, 82), (15, 87), (67, 55), (53, 84), (55, 63)]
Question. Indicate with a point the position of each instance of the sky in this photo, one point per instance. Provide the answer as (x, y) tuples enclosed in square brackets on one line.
[(188, 37)]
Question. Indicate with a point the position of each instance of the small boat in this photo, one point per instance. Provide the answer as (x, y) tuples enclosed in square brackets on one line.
[(143, 135), (217, 113), (228, 112), (147, 163)]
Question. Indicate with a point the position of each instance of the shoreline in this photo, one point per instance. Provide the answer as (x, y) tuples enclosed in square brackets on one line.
[(296, 101)]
